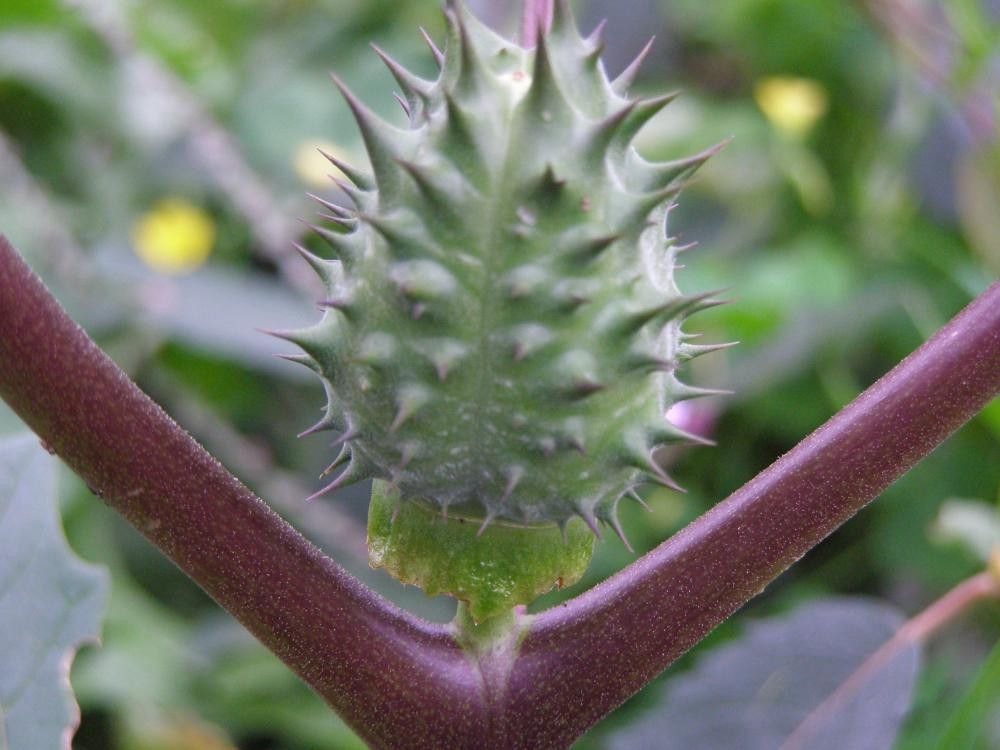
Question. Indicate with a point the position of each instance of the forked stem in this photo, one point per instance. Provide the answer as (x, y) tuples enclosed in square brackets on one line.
[(402, 683)]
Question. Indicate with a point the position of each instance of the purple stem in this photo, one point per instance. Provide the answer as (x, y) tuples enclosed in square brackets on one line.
[(397, 681), (535, 15), (400, 682), (579, 661)]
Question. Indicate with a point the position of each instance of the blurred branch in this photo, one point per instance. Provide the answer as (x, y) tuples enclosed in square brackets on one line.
[(254, 462), (914, 632), (218, 152), (936, 50), (606, 644), (398, 681), (65, 257)]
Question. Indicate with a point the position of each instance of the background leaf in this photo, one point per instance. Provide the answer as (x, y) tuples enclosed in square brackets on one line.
[(50, 603), (968, 721), (756, 691), (830, 295)]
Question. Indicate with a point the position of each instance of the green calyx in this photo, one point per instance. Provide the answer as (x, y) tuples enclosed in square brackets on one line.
[(502, 330), (491, 573)]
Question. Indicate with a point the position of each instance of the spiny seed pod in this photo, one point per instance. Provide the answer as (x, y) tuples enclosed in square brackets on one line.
[(502, 326)]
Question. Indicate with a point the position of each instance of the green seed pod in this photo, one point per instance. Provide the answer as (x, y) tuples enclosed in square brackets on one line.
[(502, 325)]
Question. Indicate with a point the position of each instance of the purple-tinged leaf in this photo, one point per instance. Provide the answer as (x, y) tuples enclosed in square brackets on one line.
[(805, 681)]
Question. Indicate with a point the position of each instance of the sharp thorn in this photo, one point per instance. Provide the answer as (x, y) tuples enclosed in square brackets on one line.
[(591, 521), (292, 337), (411, 83), (335, 239), (410, 400), (349, 190), (301, 359), (615, 524), (320, 426), (486, 522), (597, 35), (692, 438), (680, 391), (437, 53), (320, 266), (340, 221), (381, 139), (347, 436), (333, 208), (635, 496), (680, 172), (690, 351), (359, 178), (513, 478), (343, 457), (663, 478), (404, 460), (627, 77), (402, 103), (345, 478), (401, 416)]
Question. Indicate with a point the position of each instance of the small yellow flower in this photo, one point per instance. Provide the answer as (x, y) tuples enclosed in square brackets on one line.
[(174, 236), (312, 167), (793, 105)]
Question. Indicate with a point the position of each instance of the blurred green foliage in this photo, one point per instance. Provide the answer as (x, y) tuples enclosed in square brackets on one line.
[(853, 214)]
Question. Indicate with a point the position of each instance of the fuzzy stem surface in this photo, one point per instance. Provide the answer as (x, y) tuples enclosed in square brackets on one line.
[(399, 682), (581, 660), (403, 683)]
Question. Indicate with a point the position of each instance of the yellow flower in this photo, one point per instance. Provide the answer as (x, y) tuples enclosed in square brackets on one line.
[(793, 105), (311, 166), (174, 236)]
